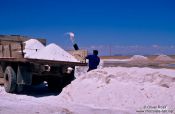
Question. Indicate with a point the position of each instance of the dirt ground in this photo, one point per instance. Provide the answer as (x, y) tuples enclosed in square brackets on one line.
[(151, 57), (113, 62)]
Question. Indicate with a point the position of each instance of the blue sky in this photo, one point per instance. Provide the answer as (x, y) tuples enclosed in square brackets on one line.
[(137, 26)]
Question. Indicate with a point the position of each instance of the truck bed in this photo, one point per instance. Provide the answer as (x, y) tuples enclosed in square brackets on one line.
[(42, 61)]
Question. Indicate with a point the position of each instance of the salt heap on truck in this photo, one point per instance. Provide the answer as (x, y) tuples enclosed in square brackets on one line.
[(122, 89), (32, 46), (34, 49)]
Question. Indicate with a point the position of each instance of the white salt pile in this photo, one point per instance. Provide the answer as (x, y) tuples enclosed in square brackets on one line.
[(139, 58), (115, 89), (53, 52), (32, 46), (36, 50), (133, 59), (163, 58), (80, 71)]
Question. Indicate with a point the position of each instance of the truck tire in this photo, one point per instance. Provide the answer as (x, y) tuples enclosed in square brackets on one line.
[(55, 84), (1, 72), (9, 80)]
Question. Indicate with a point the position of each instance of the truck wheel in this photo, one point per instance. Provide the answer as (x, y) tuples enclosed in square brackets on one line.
[(9, 80), (1, 72), (55, 84)]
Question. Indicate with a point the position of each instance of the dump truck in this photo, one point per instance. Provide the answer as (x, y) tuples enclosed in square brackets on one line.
[(16, 71)]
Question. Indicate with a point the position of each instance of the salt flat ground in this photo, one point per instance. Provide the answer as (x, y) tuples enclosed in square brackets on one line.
[(153, 61), (39, 100), (110, 90), (151, 57)]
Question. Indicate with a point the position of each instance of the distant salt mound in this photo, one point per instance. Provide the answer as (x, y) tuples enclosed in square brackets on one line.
[(54, 52), (163, 58), (139, 58), (122, 88), (32, 46)]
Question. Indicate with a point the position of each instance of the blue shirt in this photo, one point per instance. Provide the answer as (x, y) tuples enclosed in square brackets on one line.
[(94, 61)]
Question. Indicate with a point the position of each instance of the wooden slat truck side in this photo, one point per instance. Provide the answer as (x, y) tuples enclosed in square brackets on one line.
[(17, 71)]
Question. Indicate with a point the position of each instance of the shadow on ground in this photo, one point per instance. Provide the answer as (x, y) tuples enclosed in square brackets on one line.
[(40, 90)]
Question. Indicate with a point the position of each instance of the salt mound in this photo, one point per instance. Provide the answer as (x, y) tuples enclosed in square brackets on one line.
[(163, 58), (80, 71), (138, 58), (123, 88), (53, 52), (32, 46)]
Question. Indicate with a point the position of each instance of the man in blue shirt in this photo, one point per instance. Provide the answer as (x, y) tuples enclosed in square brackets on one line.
[(94, 60)]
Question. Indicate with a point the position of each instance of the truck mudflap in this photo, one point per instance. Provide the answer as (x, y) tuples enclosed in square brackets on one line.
[(24, 74)]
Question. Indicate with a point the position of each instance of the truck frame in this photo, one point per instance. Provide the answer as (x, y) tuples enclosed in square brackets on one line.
[(17, 71)]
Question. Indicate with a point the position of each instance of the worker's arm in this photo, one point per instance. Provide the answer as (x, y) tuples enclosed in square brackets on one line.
[(87, 57)]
